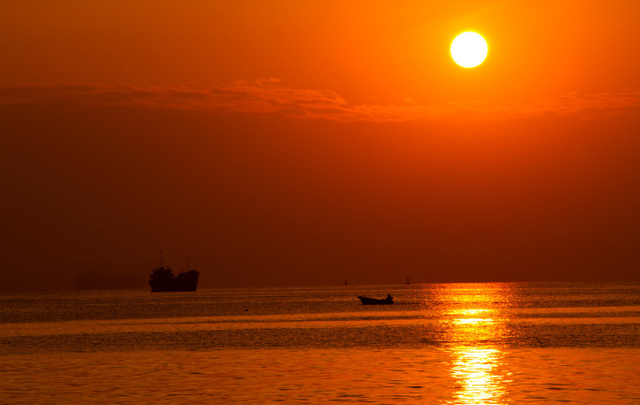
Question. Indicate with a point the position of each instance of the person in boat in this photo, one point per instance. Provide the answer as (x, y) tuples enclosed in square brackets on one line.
[(389, 298)]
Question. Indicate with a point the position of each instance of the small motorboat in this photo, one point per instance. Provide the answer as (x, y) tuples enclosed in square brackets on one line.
[(376, 301)]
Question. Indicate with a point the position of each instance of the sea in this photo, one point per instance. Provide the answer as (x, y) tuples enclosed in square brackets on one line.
[(489, 343)]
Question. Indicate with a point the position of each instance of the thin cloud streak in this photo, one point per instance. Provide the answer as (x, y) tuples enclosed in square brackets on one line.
[(269, 96)]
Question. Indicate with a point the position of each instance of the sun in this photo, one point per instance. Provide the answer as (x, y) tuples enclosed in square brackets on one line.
[(469, 49)]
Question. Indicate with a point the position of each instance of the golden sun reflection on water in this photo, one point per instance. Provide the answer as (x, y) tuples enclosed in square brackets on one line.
[(475, 326), (474, 369)]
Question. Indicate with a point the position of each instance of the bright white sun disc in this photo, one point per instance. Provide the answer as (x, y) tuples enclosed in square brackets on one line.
[(469, 49)]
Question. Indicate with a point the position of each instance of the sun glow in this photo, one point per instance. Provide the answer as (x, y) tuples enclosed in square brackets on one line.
[(469, 49)]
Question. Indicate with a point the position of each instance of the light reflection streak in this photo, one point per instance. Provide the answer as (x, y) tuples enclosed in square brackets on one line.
[(474, 327), (476, 370)]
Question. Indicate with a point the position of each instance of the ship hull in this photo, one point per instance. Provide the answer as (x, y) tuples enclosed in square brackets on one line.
[(168, 287), (165, 281), (375, 301)]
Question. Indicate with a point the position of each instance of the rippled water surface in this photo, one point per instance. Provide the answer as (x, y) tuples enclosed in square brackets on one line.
[(441, 343)]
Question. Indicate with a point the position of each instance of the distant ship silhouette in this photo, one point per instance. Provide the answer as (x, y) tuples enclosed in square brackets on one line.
[(163, 280)]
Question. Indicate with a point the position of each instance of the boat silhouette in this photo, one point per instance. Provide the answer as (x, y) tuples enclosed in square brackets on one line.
[(163, 280), (376, 301)]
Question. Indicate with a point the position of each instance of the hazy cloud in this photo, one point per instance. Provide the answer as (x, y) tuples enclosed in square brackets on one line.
[(271, 97)]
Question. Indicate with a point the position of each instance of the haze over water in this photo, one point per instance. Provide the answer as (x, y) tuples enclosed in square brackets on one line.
[(440, 343)]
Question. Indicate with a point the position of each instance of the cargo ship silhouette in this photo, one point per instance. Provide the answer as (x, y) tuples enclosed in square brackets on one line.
[(163, 280)]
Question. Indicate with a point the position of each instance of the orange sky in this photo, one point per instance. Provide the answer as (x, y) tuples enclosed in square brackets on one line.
[(278, 142)]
